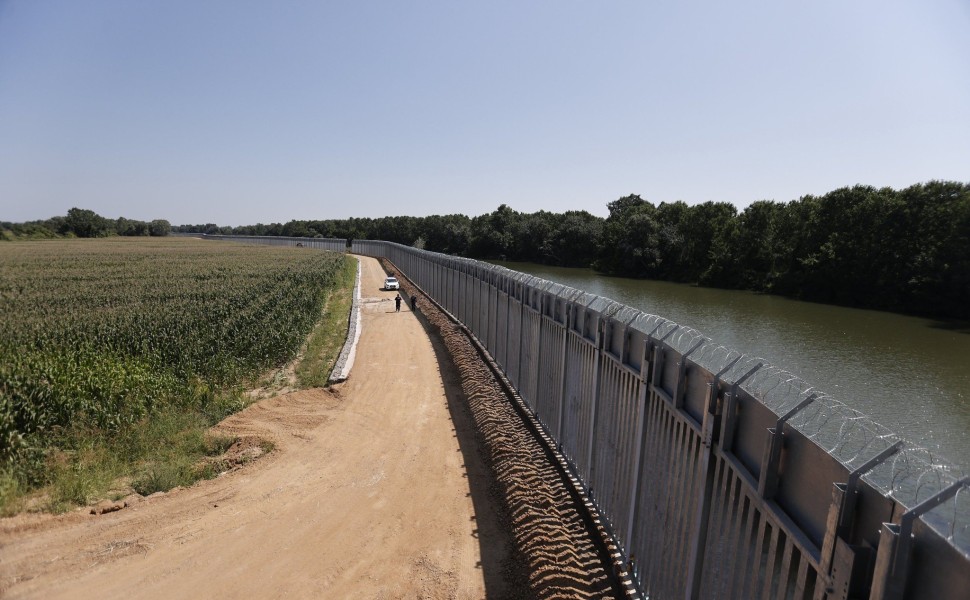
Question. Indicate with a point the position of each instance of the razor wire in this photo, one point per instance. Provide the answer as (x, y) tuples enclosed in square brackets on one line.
[(910, 476), (913, 474)]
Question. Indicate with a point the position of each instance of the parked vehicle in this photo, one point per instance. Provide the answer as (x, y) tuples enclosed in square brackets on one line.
[(391, 283)]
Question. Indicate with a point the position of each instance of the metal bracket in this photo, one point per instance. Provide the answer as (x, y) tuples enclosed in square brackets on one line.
[(658, 356), (770, 463), (895, 546), (715, 385), (729, 411), (847, 511), (678, 395), (649, 358), (839, 557), (712, 410)]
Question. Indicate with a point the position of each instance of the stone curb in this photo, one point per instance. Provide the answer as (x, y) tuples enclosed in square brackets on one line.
[(345, 362)]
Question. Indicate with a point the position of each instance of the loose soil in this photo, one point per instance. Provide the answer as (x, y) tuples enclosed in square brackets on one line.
[(413, 479)]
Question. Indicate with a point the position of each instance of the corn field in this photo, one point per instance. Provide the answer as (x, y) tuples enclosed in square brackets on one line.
[(104, 332)]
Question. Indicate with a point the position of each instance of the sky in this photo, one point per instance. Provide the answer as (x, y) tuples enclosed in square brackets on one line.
[(239, 112)]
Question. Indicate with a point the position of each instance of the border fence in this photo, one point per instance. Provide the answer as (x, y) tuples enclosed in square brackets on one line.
[(720, 475)]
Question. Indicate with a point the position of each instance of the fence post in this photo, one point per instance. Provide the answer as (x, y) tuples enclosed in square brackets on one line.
[(838, 573), (774, 443), (598, 364), (525, 292), (537, 355), (705, 474), (678, 393), (563, 364), (638, 460), (895, 547), (645, 371)]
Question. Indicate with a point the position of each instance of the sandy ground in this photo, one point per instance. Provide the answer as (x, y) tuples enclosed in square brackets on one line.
[(367, 496)]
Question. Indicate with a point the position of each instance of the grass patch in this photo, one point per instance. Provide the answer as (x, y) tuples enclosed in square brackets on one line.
[(330, 332), (172, 449), (81, 478), (156, 454), (11, 493)]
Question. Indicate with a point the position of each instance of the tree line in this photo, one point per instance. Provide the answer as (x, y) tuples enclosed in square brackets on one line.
[(83, 223), (902, 250), (899, 250)]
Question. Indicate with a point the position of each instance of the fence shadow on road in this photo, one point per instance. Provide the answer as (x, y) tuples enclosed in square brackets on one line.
[(502, 571)]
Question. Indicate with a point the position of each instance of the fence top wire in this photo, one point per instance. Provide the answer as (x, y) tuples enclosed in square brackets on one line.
[(910, 476)]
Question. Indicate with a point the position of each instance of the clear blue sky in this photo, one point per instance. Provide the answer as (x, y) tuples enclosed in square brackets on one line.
[(237, 111)]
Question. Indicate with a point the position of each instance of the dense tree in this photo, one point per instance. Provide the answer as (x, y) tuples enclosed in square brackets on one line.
[(905, 250), (86, 224), (132, 228), (496, 235), (83, 223), (448, 234), (688, 235), (631, 239), (573, 241), (159, 228)]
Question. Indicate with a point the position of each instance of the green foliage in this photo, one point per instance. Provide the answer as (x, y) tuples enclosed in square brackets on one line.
[(905, 251), (900, 250), (86, 224), (159, 228), (11, 492), (99, 338), (631, 239), (82, 223), (325, 342)]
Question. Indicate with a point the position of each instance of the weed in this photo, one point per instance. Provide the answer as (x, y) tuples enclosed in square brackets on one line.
[(327, 338), (11, 493)]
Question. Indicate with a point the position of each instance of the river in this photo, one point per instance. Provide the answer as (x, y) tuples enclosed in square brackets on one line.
[(909, 374)]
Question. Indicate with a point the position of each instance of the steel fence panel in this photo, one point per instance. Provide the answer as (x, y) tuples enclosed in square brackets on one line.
[(515, 336), (529, 358), (662, 518), (502, 329), (711, 468), (549, 387), (332, 244), (582, 362), (491, 317), (616, 443)]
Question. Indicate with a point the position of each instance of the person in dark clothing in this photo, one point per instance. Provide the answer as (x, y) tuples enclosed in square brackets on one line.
[(397, 303), (414, 302)]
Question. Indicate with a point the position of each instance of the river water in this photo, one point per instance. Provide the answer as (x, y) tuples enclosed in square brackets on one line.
[(909, 374)]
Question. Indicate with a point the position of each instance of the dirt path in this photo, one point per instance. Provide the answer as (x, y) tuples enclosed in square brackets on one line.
[(367, 496)]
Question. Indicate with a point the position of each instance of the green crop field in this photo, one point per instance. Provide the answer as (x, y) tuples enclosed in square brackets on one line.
[(100, 338)]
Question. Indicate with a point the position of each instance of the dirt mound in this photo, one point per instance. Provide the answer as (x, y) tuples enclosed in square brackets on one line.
[(559, 550)]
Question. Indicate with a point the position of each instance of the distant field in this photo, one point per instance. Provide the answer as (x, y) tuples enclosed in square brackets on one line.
[(97, 335)]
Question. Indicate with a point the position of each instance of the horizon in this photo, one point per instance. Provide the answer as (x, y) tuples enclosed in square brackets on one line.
[(469, 216), (238, 114)]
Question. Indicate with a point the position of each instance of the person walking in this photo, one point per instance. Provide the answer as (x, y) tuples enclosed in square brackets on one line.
[(397, 303), (414, 302)]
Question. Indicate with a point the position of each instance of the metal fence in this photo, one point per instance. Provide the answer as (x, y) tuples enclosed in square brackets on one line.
[(337, 245), (720, 475)]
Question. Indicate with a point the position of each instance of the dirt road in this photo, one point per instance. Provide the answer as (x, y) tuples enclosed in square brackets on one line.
[(367, 496)]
